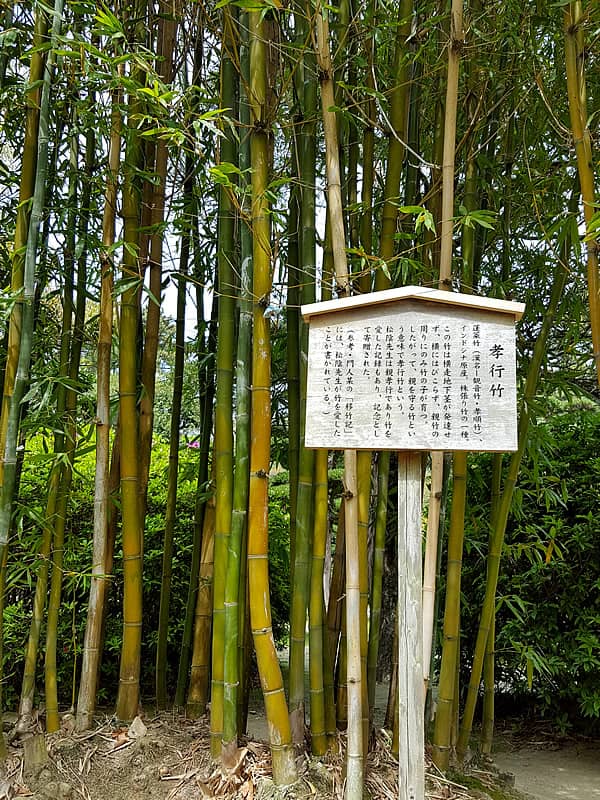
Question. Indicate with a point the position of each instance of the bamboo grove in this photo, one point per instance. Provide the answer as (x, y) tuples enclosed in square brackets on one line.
[(225, 163)]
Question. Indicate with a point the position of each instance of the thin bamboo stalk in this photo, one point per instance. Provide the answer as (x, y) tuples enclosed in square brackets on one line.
[(76, 344), (363, 471), (397, 127), (198, 691), (61, 446), (167, 31), (171, 505), (377, 579), (430, 561), (447, 211), (223, 445), (235, 587), (336, 591), (321, 469), (206, 384), (3, 750)]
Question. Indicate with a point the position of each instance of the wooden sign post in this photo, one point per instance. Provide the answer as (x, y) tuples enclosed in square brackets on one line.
[(411, 369)]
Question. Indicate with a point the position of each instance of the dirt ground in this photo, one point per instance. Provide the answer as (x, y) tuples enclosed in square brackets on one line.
[(547, 768), (167, 758)]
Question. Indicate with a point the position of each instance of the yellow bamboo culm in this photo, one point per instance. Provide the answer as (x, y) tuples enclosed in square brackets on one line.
[(573, 22), (284, 766)]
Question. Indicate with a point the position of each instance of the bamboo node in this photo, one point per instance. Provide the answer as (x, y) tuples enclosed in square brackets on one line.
[(261, 473)]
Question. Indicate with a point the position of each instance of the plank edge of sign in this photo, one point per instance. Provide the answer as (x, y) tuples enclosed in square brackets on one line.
[(419, 293), (415, 447)]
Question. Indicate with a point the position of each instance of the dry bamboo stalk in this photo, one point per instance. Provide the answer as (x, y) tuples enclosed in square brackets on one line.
[(430, 563)]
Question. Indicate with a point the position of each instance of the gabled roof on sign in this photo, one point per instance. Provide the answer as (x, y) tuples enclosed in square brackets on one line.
[(419, 293)]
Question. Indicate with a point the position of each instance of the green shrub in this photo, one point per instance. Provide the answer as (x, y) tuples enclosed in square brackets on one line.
[(548, 602)]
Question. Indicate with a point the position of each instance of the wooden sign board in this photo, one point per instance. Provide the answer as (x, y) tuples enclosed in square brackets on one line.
[(412, 369)]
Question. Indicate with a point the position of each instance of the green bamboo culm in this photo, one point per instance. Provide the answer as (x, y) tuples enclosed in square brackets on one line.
[(284, 766), (303, 527), (318, 732), (224, 396), (377, 577), (487, 724), (235, 583), (129, 673)]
